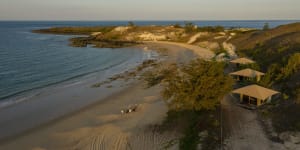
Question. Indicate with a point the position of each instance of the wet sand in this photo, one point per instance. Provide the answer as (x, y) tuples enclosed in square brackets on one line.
[(91, 119)]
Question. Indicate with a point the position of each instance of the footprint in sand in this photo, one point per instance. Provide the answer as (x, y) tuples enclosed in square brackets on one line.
[(108, 140), (97, 143), (149, 140)]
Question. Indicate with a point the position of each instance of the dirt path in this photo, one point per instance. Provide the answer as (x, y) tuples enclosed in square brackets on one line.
[(243, 128)]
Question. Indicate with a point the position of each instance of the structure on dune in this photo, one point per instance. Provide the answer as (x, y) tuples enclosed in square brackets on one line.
[(251, 94)]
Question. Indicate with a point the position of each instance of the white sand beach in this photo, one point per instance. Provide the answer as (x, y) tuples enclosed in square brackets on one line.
[(99, 124)]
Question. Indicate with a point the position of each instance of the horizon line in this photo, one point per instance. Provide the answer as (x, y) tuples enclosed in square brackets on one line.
[(163, 20)]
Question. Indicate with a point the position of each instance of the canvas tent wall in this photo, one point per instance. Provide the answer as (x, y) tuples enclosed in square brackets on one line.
[(254, 94)]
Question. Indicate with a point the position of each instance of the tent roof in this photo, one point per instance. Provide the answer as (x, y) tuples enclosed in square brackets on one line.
[(255, 91), (242, 61), (247, 73)]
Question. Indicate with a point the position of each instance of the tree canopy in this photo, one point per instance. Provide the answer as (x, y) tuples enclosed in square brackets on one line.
[(281, 72), (199, 85), (131, 24), (266, 27), (292, 66)]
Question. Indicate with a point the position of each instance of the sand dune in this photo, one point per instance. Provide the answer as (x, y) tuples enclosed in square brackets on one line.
[(201, 52), (122, 131)]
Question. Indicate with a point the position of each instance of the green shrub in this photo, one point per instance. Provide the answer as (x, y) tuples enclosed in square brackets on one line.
[(297, 95), (196, 86), (190, 123), (286, 118), (177, 25), (266, 27), (189, 27), (211, 29), (131, 24), (292, 66), (75, 30)]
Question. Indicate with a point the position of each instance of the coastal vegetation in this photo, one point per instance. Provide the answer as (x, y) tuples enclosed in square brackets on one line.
[(131, 24), (197, 86), (193, 92), (101, 43), (98, 36), (75, 30), (277, 52), (190, 27), (130, 35), (266, 27)]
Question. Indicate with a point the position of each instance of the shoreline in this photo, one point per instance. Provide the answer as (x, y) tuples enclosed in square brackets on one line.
[(25, 95), (63, 93), (63, 117), (96, 119), (108, 97)]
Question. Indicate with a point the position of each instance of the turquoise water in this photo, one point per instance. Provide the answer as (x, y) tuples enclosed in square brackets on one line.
[(31, 61)]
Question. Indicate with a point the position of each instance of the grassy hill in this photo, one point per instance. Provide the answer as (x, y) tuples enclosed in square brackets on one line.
[(249, 40), (277, 52), (270, 46)]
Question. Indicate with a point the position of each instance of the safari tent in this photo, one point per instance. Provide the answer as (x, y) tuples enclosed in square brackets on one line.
[(247, 74), (242, 61), (255, 95)]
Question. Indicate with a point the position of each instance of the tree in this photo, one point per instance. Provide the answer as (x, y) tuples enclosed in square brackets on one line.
[(292, 66), (189, 27), (196, 86), (298, 95), (177, 25), (131, 24), (266, 26), (270, 77)]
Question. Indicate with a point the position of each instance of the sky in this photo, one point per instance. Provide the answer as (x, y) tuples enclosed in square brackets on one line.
[(149, 10)]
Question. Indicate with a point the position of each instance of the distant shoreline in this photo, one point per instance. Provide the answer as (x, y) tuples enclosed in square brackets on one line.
[(229, 23)]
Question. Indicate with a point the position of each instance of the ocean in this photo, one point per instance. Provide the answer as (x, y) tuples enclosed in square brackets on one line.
[(30, 61)]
